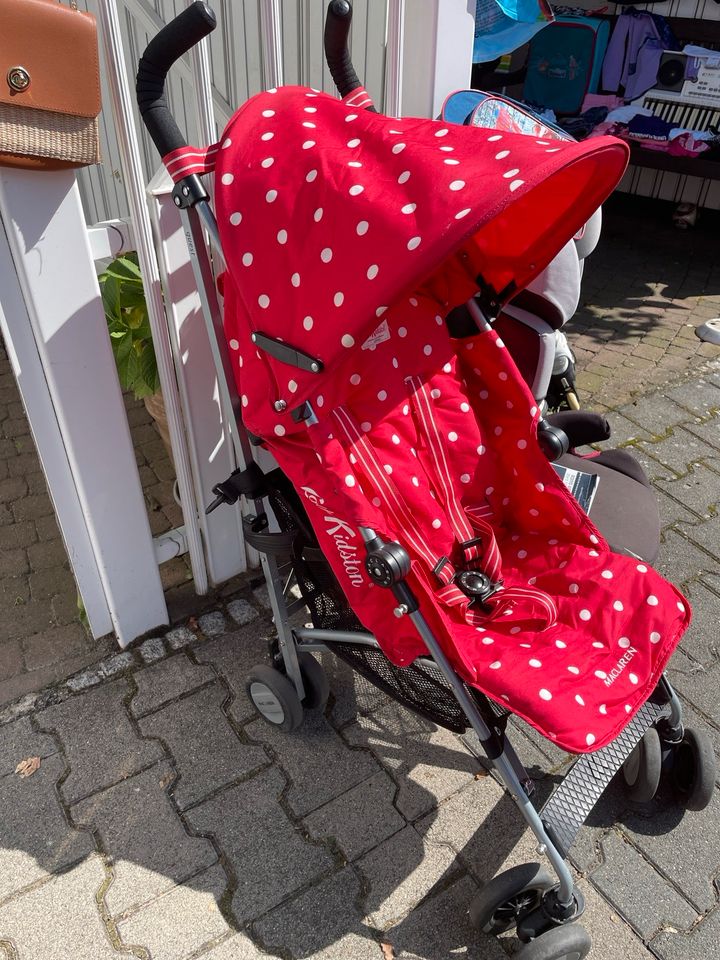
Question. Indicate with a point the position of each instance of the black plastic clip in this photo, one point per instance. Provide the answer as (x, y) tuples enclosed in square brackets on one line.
[(249, 483), (476, 585)]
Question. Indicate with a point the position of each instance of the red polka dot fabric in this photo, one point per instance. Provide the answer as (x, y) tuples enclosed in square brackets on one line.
[(343, 239)]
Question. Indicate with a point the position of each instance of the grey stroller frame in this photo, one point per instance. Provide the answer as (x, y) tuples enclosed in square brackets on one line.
[(540, 907)]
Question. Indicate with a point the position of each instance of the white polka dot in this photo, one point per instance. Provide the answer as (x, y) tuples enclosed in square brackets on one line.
[(356, 190), (395, 439), (235, 219), (348, 341), (268, 113), (465, 478), (522, 444), (593, 553), (405, 409), (579, 699), (607, 574), (522, 554), (227, 179), (309, 125), (282, 236), (480, 450), (271, 196), (350, 480), (574, 670), (618, 605), (436, 524), (624, 642), (495, 665), (496, 136), (414, 243), (247, 259), (365, 426), (442, 133), (652, 600), (280, 430), (452, 436), (628, 708), (633, 678), (545, 694), (318, 215), (355, 379), (600, 674), (573, 588), (409, 208), (404, 176), (402, 331), (502, 154), (267, 162), (463, 213), (312, 175), (511, 173), (590, 739), (292, 386), (398, 148), (373, 271), (226, 143), (681, 606), (427, 349), (264, 301), (486, 640), (448, 149), (488, 493), (362, 228), (387, 468), (376, 501), (560, 644), (308, 323), (326, 255), (585, 615), (354, 143), (641, 568), (450, 162), (593, 538), (308, 145), (516, 184), (339, 299), (603, 709), (655, 637), (295, 279), (535, 663), (457, 185), (310, 109)]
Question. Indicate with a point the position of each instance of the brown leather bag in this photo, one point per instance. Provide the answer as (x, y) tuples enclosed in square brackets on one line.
[(49, 85)]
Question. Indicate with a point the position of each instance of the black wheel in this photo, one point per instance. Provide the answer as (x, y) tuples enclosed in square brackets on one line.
[(693, 769), (642, 769), (500, 902), (317, 688), (274, 697), (568, 942)]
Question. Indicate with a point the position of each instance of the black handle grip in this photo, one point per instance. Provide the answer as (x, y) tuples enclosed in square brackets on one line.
[(337, 28), (175, 39)]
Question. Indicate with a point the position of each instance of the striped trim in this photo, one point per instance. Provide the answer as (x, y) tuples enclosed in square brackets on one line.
[(188, 160), (359, 97)]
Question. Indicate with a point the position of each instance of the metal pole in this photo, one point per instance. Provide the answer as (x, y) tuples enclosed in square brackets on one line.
[(271, 36), (394, 57), (133, 178)]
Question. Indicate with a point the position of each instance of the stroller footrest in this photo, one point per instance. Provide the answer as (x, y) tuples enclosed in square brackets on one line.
[(569, 806)]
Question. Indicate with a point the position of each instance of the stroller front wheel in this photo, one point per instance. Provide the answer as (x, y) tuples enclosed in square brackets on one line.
[(500, 903), (694, 769), (315, 681), (274, 697), (568, 942)]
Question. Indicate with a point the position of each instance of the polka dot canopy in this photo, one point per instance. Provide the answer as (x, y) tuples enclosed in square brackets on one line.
[(349, 240)]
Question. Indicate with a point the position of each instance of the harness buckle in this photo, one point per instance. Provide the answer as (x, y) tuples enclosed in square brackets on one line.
[(476, 585)]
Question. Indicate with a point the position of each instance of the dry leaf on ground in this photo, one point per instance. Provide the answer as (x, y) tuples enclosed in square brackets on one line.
[(28, 766), (388, 951)]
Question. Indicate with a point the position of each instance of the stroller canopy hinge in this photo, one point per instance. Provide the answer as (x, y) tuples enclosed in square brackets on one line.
[(287, 354), (490, 300)]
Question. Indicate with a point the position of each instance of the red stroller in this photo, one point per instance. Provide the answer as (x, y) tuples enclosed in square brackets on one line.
[(432, 541)]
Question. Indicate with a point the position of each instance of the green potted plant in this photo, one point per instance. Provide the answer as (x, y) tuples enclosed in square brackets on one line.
[(126, 313)]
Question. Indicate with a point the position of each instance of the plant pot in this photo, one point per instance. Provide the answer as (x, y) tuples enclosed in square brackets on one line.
[(155, 406)]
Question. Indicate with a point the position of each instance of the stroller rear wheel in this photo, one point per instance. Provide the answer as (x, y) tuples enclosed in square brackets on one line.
[(568, 942), (694, 769), (274, 697), (642, 769), (317, 688), (507, 896)]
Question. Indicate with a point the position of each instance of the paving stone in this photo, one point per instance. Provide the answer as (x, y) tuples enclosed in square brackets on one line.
[(359, 819), (681, 561), (101, 745), (242, 612), (612, 938), (635, 889), (54, 644), (656, 413), (699, 490), (140, 830), (117, 664), (351, 695), (318, 762), (268, 854), (206, 749), (179, 637), (700, 944), (233, 656), (707, 430), (14, 563), (151, 650), (238, 947), (85, 679), (35, 837), (322, 923), (678, 451), (401, 872), (11, 659), (180, 922), (441, 928), (701, 398), (59, 919), (212, 624), (701, 640), (165, 681), (18, 740), (697, 683), (428, 763), (684, 848), (624, 431)]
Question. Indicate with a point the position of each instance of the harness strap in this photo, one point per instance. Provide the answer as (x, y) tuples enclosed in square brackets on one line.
[(188, 160)]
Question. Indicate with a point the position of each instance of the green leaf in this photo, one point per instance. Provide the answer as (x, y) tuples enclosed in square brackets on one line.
[(148, 368), (110, 290), (124, 268)]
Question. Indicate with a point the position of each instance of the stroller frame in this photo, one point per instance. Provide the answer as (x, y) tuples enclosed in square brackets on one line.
[(558, 823)]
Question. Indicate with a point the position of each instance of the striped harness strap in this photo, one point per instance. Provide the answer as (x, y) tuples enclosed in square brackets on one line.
[(188, 160)]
